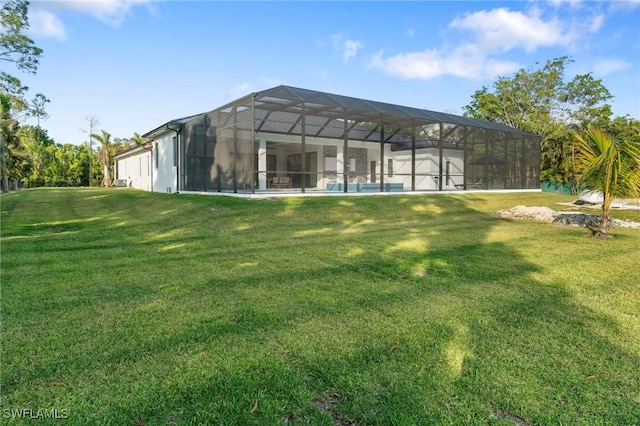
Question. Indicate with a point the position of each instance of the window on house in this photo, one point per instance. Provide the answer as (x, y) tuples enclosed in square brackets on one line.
[(330, 164), (175, 151), (390, 167), (155, 153), (373, 172)]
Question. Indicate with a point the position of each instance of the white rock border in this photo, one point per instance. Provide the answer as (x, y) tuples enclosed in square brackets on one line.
[(547, 215)]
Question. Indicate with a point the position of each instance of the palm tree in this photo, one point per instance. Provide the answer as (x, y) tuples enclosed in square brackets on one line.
[(136, 139), (609, 165), (104, 155)]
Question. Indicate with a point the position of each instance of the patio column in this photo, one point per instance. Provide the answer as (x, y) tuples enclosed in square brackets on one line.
[(254, 166), (303, 156), (382, 153), (345, 155), (340, 169), (262, 164), (440, 157), (413, 155), (235, 148)]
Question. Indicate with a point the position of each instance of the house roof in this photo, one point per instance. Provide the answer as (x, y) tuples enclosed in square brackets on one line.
[(168, 126), (133, 150)]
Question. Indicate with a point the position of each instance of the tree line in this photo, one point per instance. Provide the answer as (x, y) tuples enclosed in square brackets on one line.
[(39, 161)]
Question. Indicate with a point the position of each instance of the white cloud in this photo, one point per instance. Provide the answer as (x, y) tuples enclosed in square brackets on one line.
[(350, 49), (609, 66), (45, 16), (501, 30), (483, 38), (571, 3), (112, 12), (466, 61), (596, 22), (624, 5), (493, 67), (46, 24), (347, 48)]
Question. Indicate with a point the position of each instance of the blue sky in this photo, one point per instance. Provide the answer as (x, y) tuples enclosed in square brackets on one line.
[(137, 64)]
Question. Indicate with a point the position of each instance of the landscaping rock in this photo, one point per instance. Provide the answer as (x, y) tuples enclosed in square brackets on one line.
[(545, 214)]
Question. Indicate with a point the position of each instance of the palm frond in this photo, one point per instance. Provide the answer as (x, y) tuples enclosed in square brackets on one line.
[(608, 165)]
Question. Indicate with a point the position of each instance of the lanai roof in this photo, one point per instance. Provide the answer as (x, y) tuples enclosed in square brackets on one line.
[(280, 110), (288, 99)]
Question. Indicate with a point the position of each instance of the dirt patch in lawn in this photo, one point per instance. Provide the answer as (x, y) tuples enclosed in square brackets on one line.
[(503, 415), (327, 405), (545, 214)]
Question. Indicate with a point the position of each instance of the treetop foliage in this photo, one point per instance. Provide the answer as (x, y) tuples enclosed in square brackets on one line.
[(15, 47), (542, 102)]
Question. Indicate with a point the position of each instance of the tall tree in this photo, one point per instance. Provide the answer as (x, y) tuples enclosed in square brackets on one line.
[(104, 155), (38, 109), (608, 165), (541, 102), (20, 51), (93, 121)]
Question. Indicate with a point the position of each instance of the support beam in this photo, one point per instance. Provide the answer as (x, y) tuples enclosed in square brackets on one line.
[(345, 153), (366, 138), (413, 155), (382, 153), (440, 157), (329, 120), (235, 148), (303, 160), (218, 170), (254, 165), (295, 123)]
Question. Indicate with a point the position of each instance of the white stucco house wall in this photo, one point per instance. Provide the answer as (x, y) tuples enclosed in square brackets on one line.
[(134, 168), (153, 166)]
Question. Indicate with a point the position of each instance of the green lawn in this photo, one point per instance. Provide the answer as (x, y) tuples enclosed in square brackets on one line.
[(122, 307)]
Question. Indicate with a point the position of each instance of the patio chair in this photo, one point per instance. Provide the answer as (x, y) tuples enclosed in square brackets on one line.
[(479, 184), (281, 182)]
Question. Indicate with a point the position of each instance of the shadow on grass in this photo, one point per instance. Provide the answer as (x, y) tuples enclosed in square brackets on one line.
[(397, 318)]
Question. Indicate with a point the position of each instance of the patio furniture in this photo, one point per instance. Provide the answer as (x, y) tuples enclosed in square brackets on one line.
[(479, 184), (280, 182)]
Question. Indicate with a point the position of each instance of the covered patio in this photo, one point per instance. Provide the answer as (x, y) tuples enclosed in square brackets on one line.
[(296, 140)]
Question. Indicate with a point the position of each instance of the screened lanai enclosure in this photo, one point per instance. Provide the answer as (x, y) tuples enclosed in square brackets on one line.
[(298, 140)]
